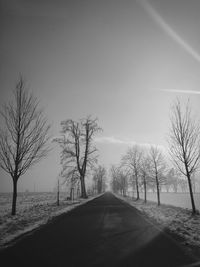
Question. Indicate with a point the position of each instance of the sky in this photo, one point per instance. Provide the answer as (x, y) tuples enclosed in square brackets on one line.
[(122, 61)]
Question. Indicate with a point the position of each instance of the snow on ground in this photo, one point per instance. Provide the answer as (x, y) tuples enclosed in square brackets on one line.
[(33, 210), (175, 199), (175, 220)]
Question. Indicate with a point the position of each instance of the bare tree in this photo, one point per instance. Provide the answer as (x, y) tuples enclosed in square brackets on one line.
[(23, 142), (119, 180), (78, 151), (114, 179), (58, 192), (124, 179), (144, 172), (157, 168), (132, 160), (172, 180), (184, 143), (99, 178), (71, 179)]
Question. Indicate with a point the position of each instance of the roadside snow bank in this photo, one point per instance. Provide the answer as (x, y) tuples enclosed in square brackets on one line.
[(175, 220), (31, 216)]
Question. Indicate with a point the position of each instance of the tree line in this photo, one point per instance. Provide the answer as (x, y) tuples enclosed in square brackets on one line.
[(25, 140), (148, 168), (143, 169)]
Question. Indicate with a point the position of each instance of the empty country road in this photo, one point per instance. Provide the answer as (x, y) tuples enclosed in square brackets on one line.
[(103, 232)]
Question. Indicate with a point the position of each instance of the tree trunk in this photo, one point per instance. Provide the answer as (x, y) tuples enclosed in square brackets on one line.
[(72, 193), (145, 191), (14, 199), (83, 190), (137, 188), (58, 194), (158, 191), (78, 192), (191, 194)]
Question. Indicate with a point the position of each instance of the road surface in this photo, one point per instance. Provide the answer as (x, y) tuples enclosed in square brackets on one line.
[(103, 232)]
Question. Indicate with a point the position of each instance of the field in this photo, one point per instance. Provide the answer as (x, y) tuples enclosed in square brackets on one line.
[(175, 199), (26, 200)]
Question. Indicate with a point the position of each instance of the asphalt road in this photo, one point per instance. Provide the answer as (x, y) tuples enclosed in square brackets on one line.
[(103, 232)]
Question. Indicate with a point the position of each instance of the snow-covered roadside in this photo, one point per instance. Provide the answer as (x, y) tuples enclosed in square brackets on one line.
[(177, 221), (31, 217)]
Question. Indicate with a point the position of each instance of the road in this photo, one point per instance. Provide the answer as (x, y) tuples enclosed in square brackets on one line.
[(103, 232)]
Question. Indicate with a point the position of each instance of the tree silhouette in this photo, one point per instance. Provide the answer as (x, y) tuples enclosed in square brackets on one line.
[(184, 143), (78, 151), (23, 141)]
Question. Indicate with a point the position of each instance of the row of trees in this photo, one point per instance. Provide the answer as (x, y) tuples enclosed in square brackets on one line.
[(141, 168), (25, 137), (99, 180), (25, 140), (147, 169)]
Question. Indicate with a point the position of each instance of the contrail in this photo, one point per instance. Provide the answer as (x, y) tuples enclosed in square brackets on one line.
[(166, 27), (182, 91)]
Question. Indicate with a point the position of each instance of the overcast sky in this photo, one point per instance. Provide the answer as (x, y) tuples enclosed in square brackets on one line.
[(123, 61)]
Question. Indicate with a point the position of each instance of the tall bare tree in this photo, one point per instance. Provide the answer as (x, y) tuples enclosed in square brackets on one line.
[(157, 168), (23, 141), (132, 160), (78, 151), (184, 143)]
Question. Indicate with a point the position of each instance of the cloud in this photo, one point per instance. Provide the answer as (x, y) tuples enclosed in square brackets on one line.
[(120, 141), (114, 140), (192, 92), (168, 29)]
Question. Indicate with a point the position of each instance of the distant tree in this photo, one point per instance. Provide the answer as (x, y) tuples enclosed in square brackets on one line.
[(23, 141), (99, 178), (194, 182), (157, 168), (184, 143), (58, 191), (183, 185), (172, 180), (132, 160), (119, 180), (144, 172), (114, 183), (124, 179), (71, 179), (78, 151)]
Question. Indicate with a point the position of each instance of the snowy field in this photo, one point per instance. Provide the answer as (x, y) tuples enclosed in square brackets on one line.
[(175, 199), (33, 210), (25, 200), (176, 220)]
